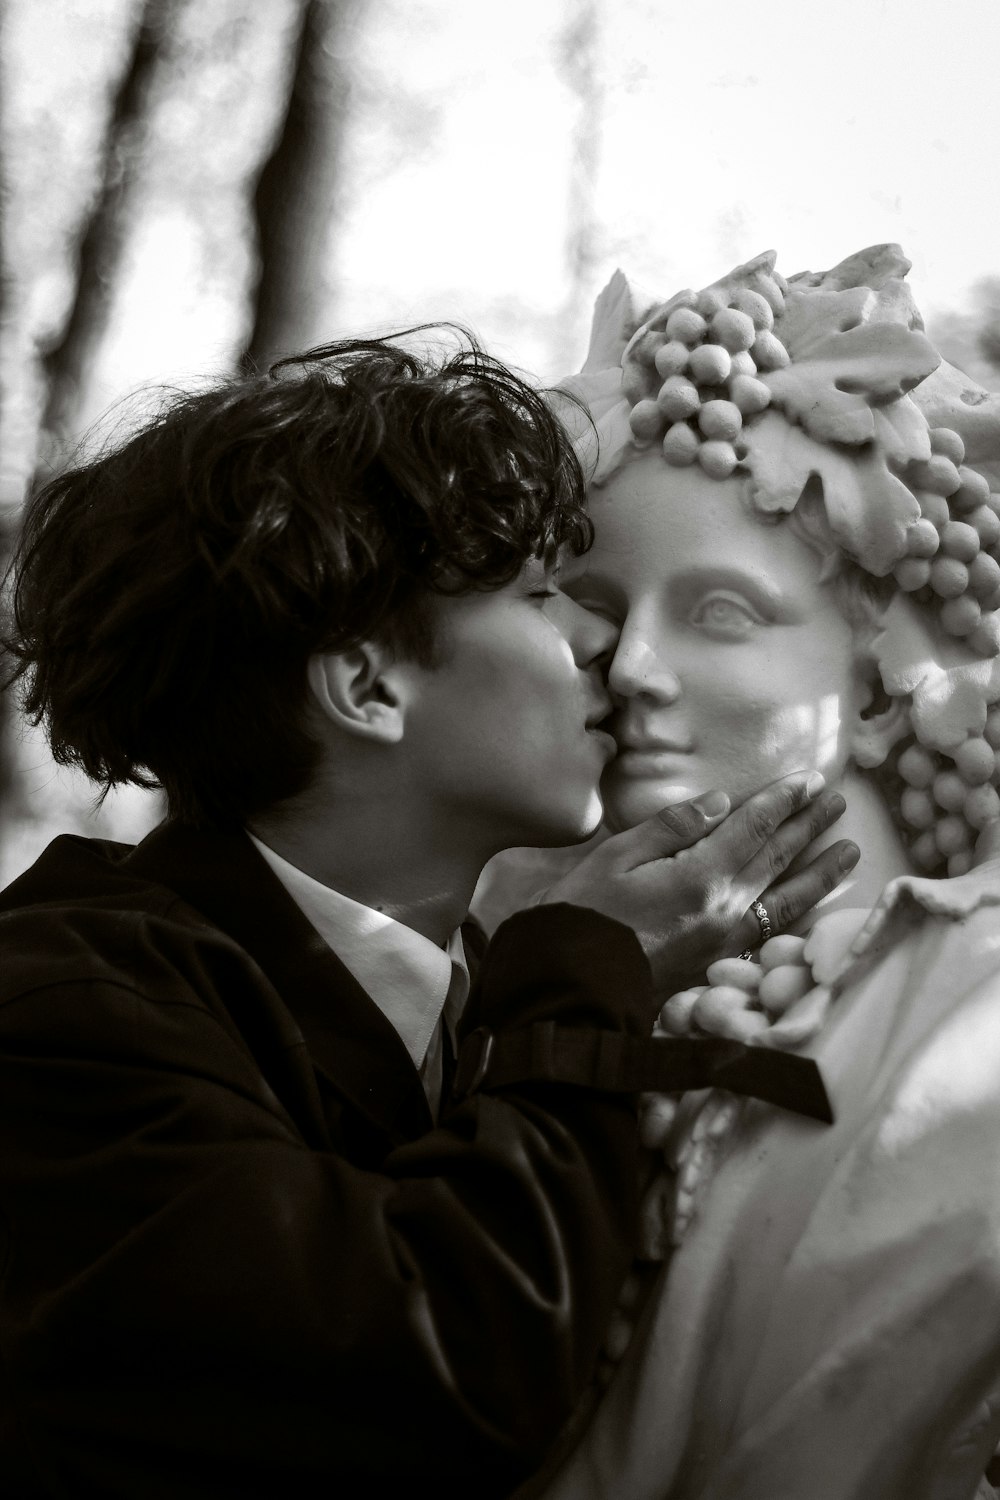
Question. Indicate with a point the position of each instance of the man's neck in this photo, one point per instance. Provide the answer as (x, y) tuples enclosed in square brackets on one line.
[(868, 823), (378, 863)]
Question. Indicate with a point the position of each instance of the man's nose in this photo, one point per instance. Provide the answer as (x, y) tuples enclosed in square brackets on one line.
[(592, 637), (639, 669)]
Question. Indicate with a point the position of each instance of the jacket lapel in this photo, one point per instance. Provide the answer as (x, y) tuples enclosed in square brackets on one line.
[(351, 1044)]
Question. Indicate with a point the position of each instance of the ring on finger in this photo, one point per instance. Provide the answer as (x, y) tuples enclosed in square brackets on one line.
[(760, 912)]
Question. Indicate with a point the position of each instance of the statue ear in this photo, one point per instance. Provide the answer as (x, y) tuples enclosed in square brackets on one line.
[(878, 727)]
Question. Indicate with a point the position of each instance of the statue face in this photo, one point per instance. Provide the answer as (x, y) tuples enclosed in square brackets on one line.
[(735, 664)]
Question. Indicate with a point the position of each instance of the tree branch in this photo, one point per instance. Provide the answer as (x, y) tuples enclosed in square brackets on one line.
[(65, 362)]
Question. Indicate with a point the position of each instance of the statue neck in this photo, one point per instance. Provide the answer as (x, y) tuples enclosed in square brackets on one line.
[(869, 824)]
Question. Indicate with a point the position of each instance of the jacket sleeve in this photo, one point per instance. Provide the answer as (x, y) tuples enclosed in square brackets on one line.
[(196, 1302)]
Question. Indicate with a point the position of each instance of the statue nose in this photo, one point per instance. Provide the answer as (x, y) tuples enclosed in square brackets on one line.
[(637, 669)]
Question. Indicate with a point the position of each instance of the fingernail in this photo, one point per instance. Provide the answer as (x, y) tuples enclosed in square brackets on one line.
[(711, 804), (849, 857), (815, 782)]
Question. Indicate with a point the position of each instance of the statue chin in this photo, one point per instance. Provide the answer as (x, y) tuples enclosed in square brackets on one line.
[(628, 803)]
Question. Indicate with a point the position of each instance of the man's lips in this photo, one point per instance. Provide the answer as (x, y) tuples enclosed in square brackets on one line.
[(606, 741), (599, 716), (598, 726)]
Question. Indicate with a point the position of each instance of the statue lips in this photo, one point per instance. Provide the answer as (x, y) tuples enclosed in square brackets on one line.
[(641, 755)]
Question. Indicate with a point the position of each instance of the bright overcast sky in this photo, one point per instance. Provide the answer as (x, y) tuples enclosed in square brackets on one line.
[(728, 128), (719, 128)]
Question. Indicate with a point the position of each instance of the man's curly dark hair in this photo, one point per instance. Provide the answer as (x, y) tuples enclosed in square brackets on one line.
[(166, 597)]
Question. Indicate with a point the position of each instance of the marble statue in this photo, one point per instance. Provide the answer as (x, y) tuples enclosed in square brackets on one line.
[(797, 539)]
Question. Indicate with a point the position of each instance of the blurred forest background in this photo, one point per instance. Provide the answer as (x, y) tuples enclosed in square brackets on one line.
[(192, 184)]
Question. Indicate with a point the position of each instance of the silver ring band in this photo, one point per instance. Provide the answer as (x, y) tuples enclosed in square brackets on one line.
[(760, 912)]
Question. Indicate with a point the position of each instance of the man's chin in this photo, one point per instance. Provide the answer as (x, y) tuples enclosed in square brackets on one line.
[(572, 832)]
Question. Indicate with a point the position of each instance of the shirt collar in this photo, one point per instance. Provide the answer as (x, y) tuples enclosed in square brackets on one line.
[(407, 976)]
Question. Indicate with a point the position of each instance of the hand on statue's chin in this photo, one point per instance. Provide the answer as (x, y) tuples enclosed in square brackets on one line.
[(626, 805)]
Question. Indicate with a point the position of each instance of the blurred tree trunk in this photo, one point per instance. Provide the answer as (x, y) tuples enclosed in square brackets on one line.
[(66, 362), (295, 202)]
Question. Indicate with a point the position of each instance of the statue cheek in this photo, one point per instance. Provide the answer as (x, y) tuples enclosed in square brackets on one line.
[(812, 732)]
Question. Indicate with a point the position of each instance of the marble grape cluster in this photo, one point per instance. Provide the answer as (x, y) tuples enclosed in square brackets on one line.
[(952, 566), (948, 800), (952, 560), (692, 383)]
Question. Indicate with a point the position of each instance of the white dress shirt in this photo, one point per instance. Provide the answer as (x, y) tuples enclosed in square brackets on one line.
[(419, 987)]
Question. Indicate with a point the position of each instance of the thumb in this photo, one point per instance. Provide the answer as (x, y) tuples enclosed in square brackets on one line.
[(671, 829)]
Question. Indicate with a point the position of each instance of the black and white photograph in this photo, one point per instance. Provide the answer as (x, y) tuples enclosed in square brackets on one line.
[(499, 750)]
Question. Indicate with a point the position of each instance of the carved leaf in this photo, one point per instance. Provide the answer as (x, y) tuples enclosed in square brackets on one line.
[(901, 432), (869, 509), (949, 688), (618, 312), (830, 384), (810, 317), (600, 427)]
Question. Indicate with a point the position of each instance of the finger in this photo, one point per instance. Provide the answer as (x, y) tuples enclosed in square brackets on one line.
[(668, 831), (797, 894), (748, 831), (790, 839)]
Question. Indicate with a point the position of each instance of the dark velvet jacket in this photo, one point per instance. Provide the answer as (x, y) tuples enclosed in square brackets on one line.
[(238, 1258)]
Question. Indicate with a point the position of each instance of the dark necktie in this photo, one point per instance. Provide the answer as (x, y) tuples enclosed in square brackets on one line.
[(449, 1064)]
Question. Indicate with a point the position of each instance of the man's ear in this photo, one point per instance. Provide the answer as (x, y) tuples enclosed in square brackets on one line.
[(360, 692), (878, 728)]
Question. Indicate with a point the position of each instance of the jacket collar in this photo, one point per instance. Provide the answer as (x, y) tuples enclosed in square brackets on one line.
[(351, 1043)]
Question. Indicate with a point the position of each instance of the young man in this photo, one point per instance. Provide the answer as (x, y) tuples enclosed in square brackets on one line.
[(258, 1242)]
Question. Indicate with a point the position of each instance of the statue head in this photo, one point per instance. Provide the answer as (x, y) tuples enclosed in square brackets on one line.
[(813, 483)]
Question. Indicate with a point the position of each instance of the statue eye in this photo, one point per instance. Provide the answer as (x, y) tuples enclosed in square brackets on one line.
[(726, 616)]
